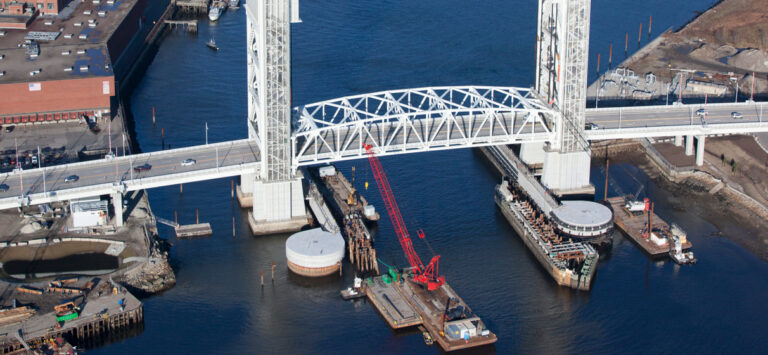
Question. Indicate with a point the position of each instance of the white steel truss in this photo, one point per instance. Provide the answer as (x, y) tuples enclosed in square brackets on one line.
[(416, 120)]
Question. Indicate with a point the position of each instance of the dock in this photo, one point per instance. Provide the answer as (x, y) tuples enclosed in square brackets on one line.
[(105, 313), (635, 227), (192, 6), (446, 317), (193, 230)]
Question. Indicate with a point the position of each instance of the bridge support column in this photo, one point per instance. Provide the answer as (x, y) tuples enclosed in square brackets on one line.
[(699, 150), (117, 205), (278, 207), (689, 145), (678, 141), (532, 154), (567, 173), (245, 190)]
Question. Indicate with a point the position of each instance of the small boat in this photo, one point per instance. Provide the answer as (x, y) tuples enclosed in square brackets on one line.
[(353, 292), (212, 44), (234, 4), (214, 12), (427, 337), (676, 252)]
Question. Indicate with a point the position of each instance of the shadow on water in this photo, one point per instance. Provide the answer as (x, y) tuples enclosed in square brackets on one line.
[(88, 264)]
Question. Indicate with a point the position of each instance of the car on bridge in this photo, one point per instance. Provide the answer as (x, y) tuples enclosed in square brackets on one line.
[(736, 115), (71, 178), (140, 168), (701, 112), (3, 187), (188, 162), (590, 126)]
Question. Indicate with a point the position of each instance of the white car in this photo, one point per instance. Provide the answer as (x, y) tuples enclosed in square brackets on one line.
[(701, 112), (188, 162), (736, 115)]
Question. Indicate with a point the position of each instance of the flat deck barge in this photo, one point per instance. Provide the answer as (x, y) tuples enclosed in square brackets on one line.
[(635, 227), (409, 304), (571, 264)]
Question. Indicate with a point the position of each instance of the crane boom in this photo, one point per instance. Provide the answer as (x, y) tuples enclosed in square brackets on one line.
[(427, 275)]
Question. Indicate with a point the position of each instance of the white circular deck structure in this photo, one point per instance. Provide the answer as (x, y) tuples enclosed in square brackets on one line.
[(314, 252), (583, 219)]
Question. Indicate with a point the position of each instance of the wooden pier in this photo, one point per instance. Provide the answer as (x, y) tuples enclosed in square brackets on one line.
[(192, 6), (188, 25), (634, 226), (107, 314), (193, 230)]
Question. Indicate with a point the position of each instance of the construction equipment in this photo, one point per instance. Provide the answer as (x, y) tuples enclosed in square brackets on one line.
[(424, 275), (352, 198)]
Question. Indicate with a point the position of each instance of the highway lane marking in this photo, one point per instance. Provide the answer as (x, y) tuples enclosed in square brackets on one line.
[(158, 166), (670, 118)]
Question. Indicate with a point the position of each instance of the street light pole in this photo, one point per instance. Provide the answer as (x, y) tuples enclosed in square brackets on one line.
[(39, 166)]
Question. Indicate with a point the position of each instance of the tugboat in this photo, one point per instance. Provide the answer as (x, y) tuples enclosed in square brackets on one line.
[(212, 44), (353, 292), (676, 252)]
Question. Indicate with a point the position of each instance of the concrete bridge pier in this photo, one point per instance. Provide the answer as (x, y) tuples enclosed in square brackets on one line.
[(117, 205), (678, 141), (567, 173), (278, 207), (689, 145), (532, 154), (699, 150)]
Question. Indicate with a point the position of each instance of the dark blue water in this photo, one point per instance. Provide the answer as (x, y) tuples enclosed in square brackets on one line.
[(344, 48)]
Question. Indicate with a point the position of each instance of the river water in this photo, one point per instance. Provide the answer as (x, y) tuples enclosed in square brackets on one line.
[(344, 48)]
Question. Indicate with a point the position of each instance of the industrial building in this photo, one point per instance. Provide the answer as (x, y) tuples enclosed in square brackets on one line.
[(64, 64)]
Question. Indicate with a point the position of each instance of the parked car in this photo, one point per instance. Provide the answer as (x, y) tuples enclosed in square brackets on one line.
[(9, 129), (71, 178), (141, 168), (3, 187), (188, 162), (737, 115)]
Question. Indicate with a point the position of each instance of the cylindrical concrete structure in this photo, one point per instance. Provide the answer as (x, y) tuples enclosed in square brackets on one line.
[(699, 150), (314, 252), (689, 145)]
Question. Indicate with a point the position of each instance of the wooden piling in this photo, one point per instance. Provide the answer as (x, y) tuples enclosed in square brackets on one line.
[(626, 44), (262, 278), (181, 189), (598, 64), (640, 33), (153, 116), (273, 272), (175, 217), (197, 215), (610, 56), (233, 226), (232, 188), (650, 22)]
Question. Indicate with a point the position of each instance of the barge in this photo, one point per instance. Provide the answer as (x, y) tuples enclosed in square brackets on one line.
[(570, 263), (656, 242)]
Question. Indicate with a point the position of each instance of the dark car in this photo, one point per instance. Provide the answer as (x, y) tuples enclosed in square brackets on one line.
[(9, 129), (3, 187), (141, 168), (71, 178)]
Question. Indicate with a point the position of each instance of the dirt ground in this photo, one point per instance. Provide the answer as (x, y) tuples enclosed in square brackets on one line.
[(751, 175), (708, 42)]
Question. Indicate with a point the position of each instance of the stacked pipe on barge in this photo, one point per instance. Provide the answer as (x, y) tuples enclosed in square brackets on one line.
[(572, 264)]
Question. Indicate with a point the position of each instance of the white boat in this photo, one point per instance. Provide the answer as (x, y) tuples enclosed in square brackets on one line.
[(214, 12), (234, 4), (676, 252)]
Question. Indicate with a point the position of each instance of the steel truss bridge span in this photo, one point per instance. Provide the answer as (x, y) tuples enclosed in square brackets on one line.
[(417, 120)]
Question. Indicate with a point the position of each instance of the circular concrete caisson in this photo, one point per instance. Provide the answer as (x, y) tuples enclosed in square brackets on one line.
[(314, 252), (583, 219)]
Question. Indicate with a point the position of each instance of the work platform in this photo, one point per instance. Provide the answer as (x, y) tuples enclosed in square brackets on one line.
[(193, 230), (633, 226), (391, 304)]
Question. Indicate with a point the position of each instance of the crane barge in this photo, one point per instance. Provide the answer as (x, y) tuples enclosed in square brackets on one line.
[(421, 290)]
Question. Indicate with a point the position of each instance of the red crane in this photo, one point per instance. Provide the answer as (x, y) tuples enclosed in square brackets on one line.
[(425, 275)]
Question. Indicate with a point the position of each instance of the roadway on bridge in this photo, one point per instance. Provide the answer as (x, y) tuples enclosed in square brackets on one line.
[(661, 116), (163, 163)]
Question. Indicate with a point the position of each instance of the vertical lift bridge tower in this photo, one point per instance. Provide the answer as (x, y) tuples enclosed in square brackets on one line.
[(562, 42), (278, 196)]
